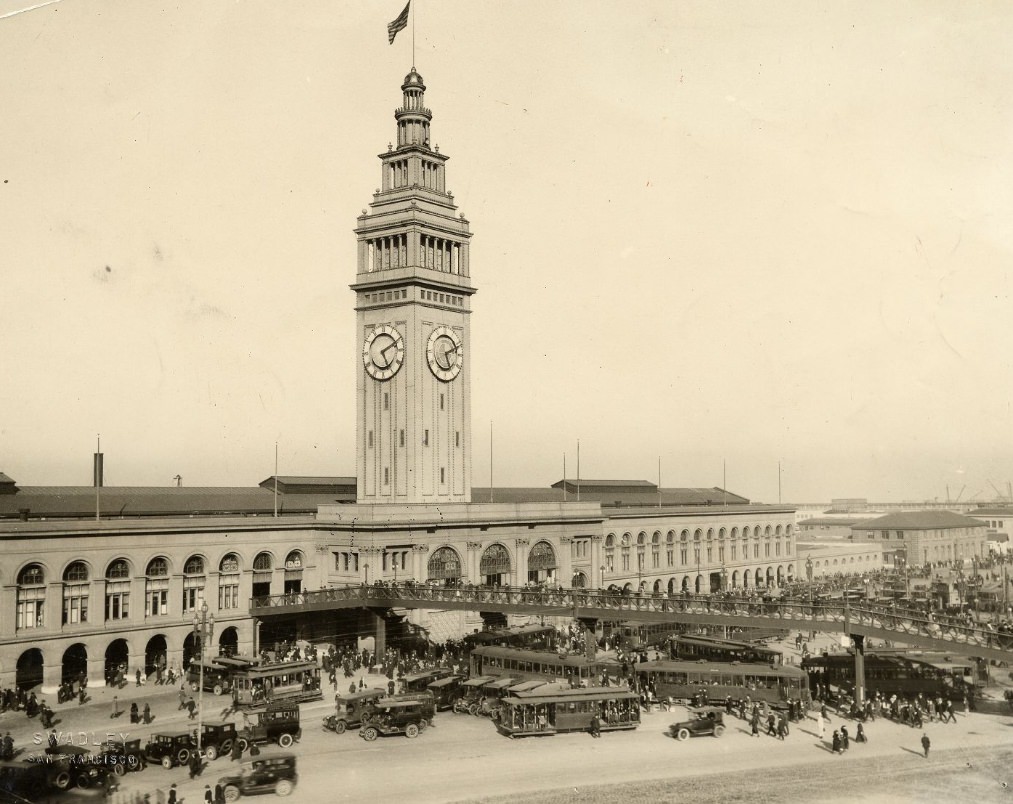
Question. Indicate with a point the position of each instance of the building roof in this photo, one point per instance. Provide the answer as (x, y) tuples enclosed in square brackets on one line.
[(919, 520), (644, 485), (824, 521), (631, 496)]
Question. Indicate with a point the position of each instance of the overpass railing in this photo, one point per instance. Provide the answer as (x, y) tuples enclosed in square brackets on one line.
[(611, 605)]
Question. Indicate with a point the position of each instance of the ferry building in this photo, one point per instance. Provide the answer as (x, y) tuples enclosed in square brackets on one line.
[(86, 594)]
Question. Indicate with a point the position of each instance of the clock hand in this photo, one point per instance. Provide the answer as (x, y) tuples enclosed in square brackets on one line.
[(387, 348)]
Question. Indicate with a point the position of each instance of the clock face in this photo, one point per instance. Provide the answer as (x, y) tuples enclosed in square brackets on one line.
[(445, 353), (383, 352)]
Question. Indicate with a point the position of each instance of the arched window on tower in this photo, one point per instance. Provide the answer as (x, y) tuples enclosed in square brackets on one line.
[(75, 593)]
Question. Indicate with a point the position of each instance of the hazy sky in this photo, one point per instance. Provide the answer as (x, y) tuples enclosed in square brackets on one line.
[(705, 232)]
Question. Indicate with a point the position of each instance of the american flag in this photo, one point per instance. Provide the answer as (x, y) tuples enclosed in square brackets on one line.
[(399, 24)]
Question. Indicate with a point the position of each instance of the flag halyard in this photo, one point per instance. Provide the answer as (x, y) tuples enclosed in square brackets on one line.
[(398, 24)]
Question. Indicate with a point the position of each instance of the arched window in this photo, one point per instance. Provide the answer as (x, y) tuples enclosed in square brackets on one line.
[(118, 590), (293, 572), (494, 566), (684, 548), (262, 563), (541, 563), (31, 603), (293, 560), (228, 582), (610, 553), (156, 588), (193, 583), (670, 548), (624, 556), (75, 593), (444, 565)]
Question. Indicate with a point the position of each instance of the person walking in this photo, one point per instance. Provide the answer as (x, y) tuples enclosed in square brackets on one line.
[(845, 738), (754, 725), (172, 795), (209, 795), (134, 717), (820, 726), (595, 726), (860, 735), (926, 744), (137, 676), (147, 714), (837, 742)]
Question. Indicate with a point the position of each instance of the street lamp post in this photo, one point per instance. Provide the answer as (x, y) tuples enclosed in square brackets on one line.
[(203, 629), (601, 582)]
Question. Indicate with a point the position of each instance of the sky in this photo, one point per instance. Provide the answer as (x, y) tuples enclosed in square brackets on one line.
[(722, 237)]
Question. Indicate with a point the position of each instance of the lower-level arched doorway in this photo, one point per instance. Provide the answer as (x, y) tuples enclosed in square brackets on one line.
[(579, 580), (657, 587), (745, 579), (780, 576), (30, 667), (228, 642), (156, 654), (698, 584), (671, 586), (770, 576), (735, 579), (117, 661), (74, 666), (190, 649), (685, 584)]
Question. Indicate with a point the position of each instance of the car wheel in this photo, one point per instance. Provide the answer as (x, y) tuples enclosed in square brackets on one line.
[(285, 740), (369, 734), (339, 727), (211, 752), (232, 793), (719, 730), (120, 768), (62, 780), (283, 788), (83, 781), (218, 689), (244, 744), (182, 756), (166, 762), (473, 709), (194, 686), (422, 726), (411, 730), (682, 734), (226, 747)]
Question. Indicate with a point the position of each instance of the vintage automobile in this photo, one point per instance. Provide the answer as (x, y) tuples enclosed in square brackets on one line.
[(706, 720), (353, 709), (67, 765), (27, 780), (269, 774), (120, 756), (169, 748), (396, 717), (274, 723), (216, 739)]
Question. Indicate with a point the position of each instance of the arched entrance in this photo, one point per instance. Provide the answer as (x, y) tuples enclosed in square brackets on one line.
[(780, 576), (685, 584), (494, 566), (30, 667), (735, 579), (579, 580), (155, 655), (293, 573), (791, 573), (770, 576), (657, 587), (541, 563), (627, 589), (671, 586), (117, 661), (74, 664), (228, 642), (444, 566), (698, 584), (745, 579), (190, 649)]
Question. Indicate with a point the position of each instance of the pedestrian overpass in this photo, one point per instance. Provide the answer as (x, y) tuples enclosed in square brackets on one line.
[(857, 621)]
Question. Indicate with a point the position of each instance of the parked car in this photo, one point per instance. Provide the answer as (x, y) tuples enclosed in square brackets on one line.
[(169, 748), (277, 723), (705, 720), (269, 774), (120, 756), (216, 739), (352, 709), (396, 717), (26, 780), (67, 765)]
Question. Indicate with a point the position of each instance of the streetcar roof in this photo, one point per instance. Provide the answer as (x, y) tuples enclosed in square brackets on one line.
[(744, 668), (278, 667), (426, 674), (527, 686), (722, 643), (577, 694), (235, 661), (360, 694), (543, 656)]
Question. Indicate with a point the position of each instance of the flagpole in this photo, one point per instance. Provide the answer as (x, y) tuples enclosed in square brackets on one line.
[(564, 477), (413, 34)]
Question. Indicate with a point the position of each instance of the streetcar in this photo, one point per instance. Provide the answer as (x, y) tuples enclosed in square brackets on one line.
[(705, 682), (216, 678), (541, 713), (532, 637), (902, 673), (276, 682), (419, 682), (523, 665), (713, 649)]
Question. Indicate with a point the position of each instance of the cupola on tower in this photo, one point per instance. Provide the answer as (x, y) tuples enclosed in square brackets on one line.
[(413, 301)]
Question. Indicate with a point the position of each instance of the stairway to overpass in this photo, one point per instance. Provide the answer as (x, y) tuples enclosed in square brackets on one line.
[(840, 616)]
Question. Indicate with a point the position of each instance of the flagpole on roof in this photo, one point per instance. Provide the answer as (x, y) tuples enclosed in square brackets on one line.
[(578, 470), (413, 34), (276, 478)]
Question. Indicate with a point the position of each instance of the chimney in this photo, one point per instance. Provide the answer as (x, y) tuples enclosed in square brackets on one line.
[(23, 514)]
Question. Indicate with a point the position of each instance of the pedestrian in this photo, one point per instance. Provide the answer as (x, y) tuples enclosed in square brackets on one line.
[(820, 726), (134, 716), (195, 765), (172, 795), (137, 676), (147, 714), (82, 696), (191, 709), (182, 696), (209, 796), (116, 707), (754, 725), (845, 739), (860, 735), (926, 743), (595, 726), (771, 725), (219, 793), (237, 751), (837, 742)]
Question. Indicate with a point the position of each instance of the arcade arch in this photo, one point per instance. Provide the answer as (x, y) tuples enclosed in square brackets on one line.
[(494, 566), (444, 565)]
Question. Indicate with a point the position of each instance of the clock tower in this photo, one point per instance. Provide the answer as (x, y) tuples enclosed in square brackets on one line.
[(412, 303)]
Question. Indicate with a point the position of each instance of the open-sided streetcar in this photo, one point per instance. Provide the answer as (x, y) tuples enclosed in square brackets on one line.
[(276, 682), (539, 713), (704, 682)]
